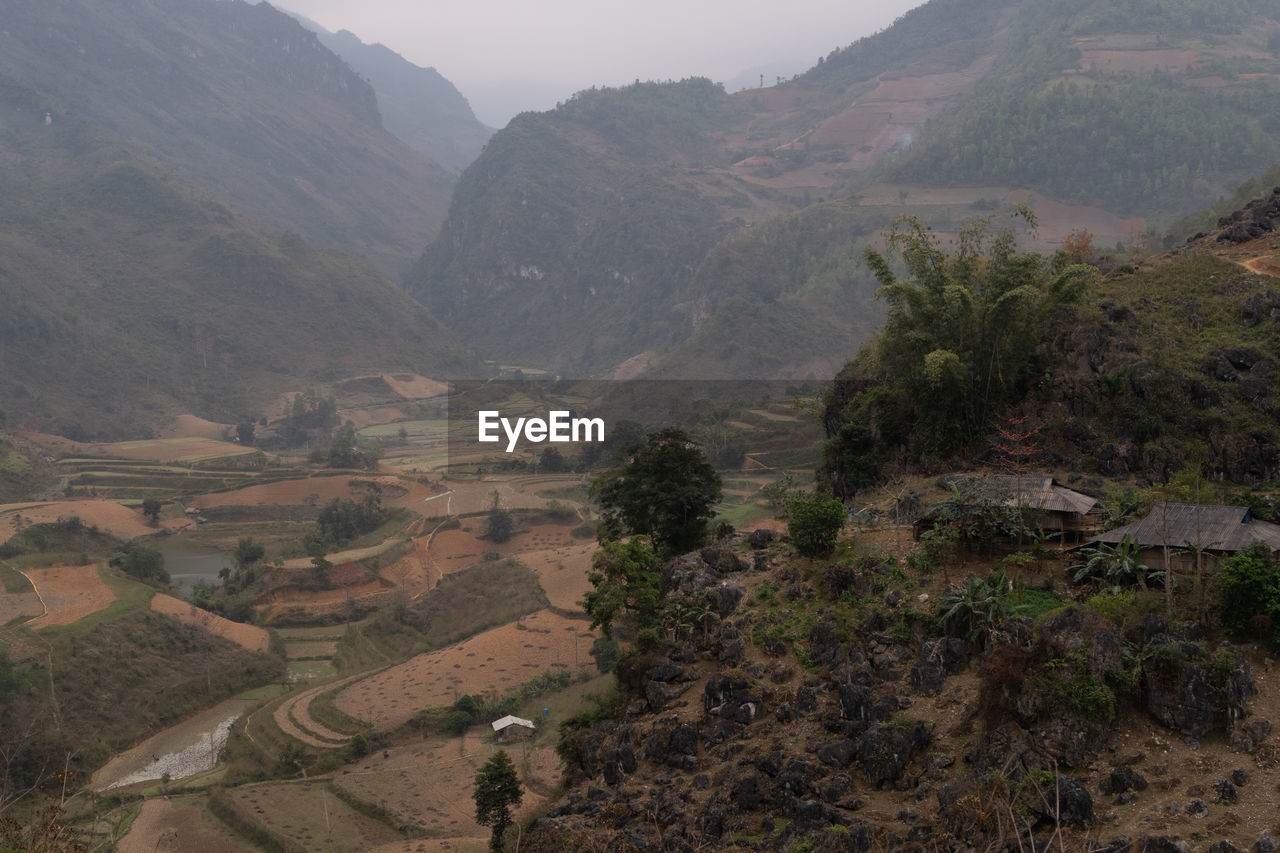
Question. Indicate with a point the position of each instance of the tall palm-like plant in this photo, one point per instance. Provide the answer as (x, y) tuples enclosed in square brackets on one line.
[(1114, 566)]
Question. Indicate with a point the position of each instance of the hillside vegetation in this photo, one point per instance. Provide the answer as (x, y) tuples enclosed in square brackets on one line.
[(1143, 373), (242, 101), (165, 299)]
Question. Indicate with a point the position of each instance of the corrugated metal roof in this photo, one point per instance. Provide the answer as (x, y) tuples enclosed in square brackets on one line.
[(1214, 528), (1040, 492), (499, 725)]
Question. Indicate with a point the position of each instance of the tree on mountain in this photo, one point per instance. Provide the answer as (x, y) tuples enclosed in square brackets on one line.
[(665, 491), (963, 340), (151, 509), (626, 579), (501, 523), (497, 790), (813, 523)]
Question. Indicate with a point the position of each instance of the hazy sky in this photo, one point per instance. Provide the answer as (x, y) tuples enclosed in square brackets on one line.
[(506, 56)]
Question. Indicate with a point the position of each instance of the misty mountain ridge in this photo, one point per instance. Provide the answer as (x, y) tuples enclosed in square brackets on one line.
[(1109, 117), (242, 101), (131, 296), (417, 104)]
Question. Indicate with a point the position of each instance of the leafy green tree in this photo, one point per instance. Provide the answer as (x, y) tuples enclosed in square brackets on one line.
[(665, 491), (246, 556), (986, 602), (813, 523), (606, 652), (497, 791), (500, 522), (626, 580), (151, 509), (1248, 587), (141, 562)]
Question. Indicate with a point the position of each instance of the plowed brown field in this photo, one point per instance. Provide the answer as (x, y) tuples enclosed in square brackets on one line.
[(118, 520), (495, 662), (69, 593)]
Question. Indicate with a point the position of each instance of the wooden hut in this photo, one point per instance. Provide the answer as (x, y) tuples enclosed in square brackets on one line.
[(1216, 531)]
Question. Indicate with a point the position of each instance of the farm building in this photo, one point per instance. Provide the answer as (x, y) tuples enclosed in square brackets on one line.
[(1072, 515), (1218, 531), (511, 728)]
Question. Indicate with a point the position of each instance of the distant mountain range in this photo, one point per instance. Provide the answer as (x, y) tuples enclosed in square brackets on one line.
[(621, 230), (241, 101), (179, 177), (417, 104)]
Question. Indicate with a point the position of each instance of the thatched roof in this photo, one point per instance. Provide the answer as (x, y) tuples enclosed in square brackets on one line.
[(1214, 528)]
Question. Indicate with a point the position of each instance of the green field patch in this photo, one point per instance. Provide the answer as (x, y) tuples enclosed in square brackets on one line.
[(303, 670), (14, 581)]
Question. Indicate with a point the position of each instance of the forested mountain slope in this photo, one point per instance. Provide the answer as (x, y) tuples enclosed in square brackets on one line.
[(129, 296), (244, 102), (597, 229)]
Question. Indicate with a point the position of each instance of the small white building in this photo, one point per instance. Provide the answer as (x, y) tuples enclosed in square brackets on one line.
[(511, 728)]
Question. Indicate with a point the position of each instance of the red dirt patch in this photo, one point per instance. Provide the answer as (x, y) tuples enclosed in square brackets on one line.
[(251, 637), (69, 593), (495, 662), (562, 573), (1112, 61), (114, 518), (414, 387), (190, 426), (1057, 218)]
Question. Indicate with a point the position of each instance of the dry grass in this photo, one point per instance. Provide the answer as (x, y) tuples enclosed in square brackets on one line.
[(495, 662), (179, 824), (429, 784), (69, 593), (118, 520)]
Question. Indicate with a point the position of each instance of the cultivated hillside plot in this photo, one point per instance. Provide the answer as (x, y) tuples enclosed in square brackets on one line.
[(395, 492), (429, 784), (118, 520), (69, 593), (495, 662), (179, 824), (251, 637)]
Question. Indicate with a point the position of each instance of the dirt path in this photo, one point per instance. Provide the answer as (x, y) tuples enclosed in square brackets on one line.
[(1261, 265)]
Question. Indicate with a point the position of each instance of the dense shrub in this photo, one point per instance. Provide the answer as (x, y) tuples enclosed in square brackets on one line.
[(813, 523)]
